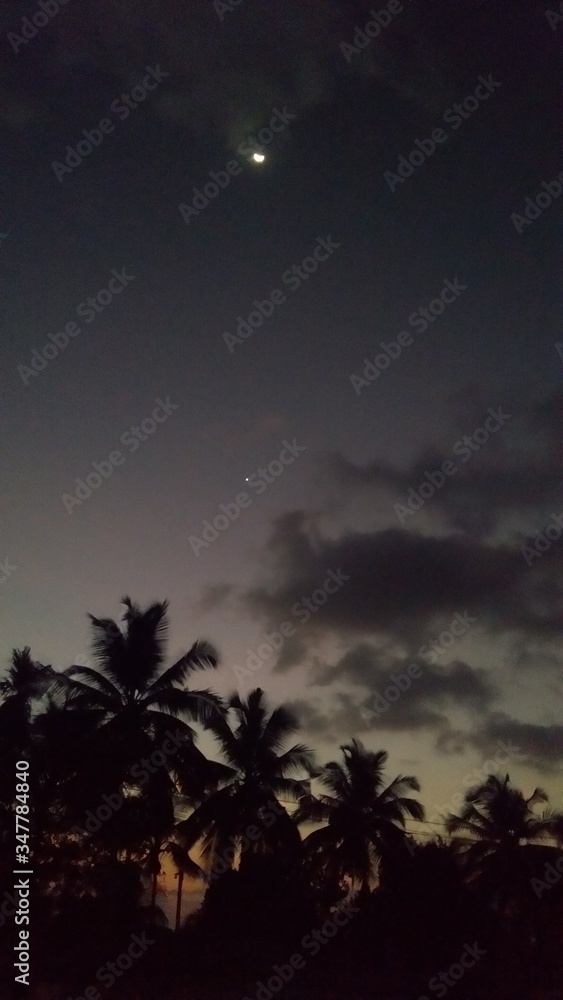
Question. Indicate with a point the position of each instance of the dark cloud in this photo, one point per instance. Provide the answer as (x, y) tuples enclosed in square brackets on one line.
[(347, 715), (363, 664), (538, 746), (458, 682), (530, 744), (315, 721), (401, 585), (400, 590), (293, 652), (226, 73), (515, 472), (451, 742), (214, 596), (427, 706), (424, 700)]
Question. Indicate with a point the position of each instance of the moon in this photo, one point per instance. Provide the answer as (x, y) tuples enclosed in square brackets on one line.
[(258, 157)]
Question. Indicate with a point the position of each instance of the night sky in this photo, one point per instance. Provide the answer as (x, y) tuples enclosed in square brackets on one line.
[(358, 448)]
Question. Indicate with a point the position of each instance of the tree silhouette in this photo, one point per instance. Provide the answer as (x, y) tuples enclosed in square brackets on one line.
[(365, 819), (258, 774), (130, 698), (501, 824), (502, 850), (26, 680), (129, 689), (131, 704)]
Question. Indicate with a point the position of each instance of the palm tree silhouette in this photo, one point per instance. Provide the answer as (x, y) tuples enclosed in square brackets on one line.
[(25, 678), (502, 852), (502, 826), (25, 681), (130, 687), (130, 701), (257, 774), (129, 695), (365, 820), (184, 866)]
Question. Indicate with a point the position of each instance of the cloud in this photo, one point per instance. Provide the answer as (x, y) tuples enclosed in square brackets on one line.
[(346, 715), (475, 499), (424, 704), (402, 589), (214, 596), (402, 585), (225, 76), (530, 744), (457, 682), (539, 746), (514, 473)]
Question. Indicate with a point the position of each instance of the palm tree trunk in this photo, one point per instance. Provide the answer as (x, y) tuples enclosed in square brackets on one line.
[(179, 899), (156, 873)]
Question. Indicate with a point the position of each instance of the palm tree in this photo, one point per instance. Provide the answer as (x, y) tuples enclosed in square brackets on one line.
[(502, 853), (502, 827), (129, 695), (130, 689), (130, 700), (25, 677), (365, 820), (25, 681), (246, 813), (184, 866)]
